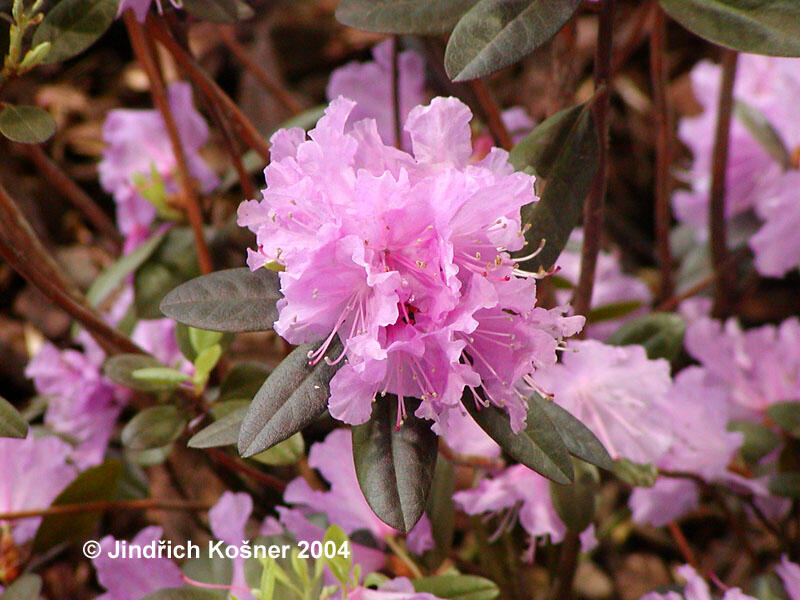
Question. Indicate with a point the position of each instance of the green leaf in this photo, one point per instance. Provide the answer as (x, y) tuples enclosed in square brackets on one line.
[(785, 485), (338, 564), (786, 415), (230, 300), (395, 465), (97, 484), (759, 440), (575, 503), (287, 452), (160, 376), (243, 381), (204, 364), (155, 427), (769, 27), (496, 33), (766, 587), (763, 132), (294, 395), (564, 150), (12, 425), (27, 587), (457, 587), (616, 310), (115, 274), (579, 439), (202, 339), (215, 571), (188, 593), (441, 509), (660, 333), (219, 11), (71, 26), (635, 474), (422, 17), (120, 369), (538, 446), (26, 124), (223, 432)]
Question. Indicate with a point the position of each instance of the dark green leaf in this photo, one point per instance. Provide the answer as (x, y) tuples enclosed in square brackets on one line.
[(155, 427), (457, 587), (769, 27), (189, 593), (97, 484), (395, 465), (660, 333), (231, 300), (540, 149), (766, 587), (785, 485), (422, 17), (26, 587), (786, 415), (763, 132), (441, 509), (71, 26), (579, 439), (635, 474), (759, 440), (243, 381), (294, 395), (120, 369), (224, 432), (218, 11), (538, 446), (497, 33), (565, 151), (26, 124), (575, 503), (608, 312), (12, 425)]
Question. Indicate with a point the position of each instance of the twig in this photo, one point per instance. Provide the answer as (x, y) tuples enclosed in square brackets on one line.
[(107, 506), (567, 565), (219, 456), (716, 220), (593, 209), (658, 74), (637, 34), (395, 81), (145, 52), (273, 86), (469, 460), (494, 117), (211, 90), (398, 550), (683, 544), (54, 175)]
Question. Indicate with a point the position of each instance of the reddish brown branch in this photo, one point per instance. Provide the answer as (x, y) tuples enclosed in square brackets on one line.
[(107, 506), (257, 475), (491, 110), (395, 80)]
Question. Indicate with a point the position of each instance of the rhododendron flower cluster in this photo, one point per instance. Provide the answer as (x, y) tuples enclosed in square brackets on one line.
[(405, 258)]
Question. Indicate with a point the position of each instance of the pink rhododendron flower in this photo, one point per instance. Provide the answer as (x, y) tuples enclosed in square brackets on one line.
[(405, 258), (33, 472), (134, 578), (140, 7), (618, 393), (520, 493), (696, 589), (228, 518), (789, 573), (754, 179), (137, 143), (343, 503)]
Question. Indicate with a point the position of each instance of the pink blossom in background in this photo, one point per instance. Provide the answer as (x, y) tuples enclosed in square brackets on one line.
[(518, 492), (405, 258), (140, 7), (137, 141), (618, 393), (400, 588), (33, 472), (134, 578), (228, 519), (696, 589), (789, 573), (343, 503)]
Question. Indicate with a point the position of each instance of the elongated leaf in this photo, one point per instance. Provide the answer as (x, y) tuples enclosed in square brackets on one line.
[(457, 587), (93, 485), (422, 17), (759, 440), (243, 381), (441, 509), (660, 333), (224, 432), (497, 33), (617, 310), (575, 503), (579, 439), (12, 425), (785, 485), (294, 395), (161, 376), (635, 474), (288, 452), (155, 427), (538, 447), (569, 163), (395, 465), (786, 415), (120, 369), (71, 26), (26, 587), (219, 11), (769, 27), (26, 124), (763, 132), (231, 300)]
